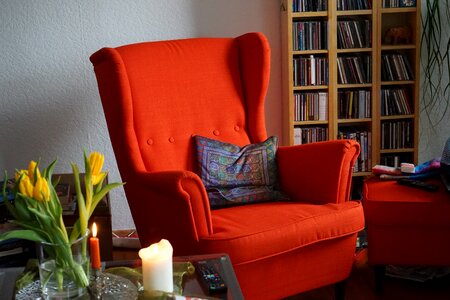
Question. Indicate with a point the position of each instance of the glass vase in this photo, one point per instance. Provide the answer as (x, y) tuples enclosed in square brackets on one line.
[(64, 269)]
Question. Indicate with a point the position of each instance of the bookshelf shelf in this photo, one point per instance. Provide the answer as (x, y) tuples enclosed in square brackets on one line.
[(404, 150), (356, 50), (397, 47), (311, 14), (396, 117), (354, 85), (399, 10), (355, 120), (308, 52), (372, 86), (310, 87), (362, 174), (360, 12), (411, 82), (310, 123)]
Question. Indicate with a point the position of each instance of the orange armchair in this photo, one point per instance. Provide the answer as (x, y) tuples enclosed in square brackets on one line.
[(157, 95)]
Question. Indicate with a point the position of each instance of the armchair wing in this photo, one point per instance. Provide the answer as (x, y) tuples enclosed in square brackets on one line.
[(318, 172)]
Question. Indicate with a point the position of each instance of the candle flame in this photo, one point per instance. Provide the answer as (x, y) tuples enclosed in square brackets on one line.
[(94, 230)]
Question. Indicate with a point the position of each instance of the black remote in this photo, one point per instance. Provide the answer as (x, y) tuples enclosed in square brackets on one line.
[(418, 184), (210, 277)]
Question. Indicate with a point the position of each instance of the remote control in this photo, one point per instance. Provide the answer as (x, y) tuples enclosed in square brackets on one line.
[(418, 184), (210, 278)]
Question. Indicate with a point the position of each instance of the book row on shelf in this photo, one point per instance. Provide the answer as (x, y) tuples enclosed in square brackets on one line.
[(354, 69), (353, 4), (395, 101), (311, 106), (364, 138), (354, 104), (392, 160), (310, 70), (354, 34), (396, 135), (395, 67), (398, 3), (321, 5), (309, 5), (309, 35), (306, 135)]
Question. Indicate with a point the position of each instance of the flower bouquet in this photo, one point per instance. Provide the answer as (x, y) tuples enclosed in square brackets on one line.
[(37, 211)]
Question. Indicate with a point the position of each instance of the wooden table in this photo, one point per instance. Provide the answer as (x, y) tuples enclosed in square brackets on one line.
[(191, 284)]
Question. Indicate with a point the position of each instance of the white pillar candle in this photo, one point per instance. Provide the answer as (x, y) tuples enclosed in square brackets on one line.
[(157, 273)]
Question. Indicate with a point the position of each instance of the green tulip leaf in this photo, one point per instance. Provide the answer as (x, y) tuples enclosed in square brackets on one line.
[(49, 171), (80, 200), (22, 206), (30, 235), (99, 196)]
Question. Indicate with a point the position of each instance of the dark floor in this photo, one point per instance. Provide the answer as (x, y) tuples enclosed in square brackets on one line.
[(360, 284)]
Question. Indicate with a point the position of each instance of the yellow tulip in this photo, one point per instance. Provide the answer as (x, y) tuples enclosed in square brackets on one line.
[(96, 160), (25, 186), (19, 173), (41, 190), (31, 168)]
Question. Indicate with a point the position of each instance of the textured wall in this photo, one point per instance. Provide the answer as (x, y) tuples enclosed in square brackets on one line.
[(49, 103)]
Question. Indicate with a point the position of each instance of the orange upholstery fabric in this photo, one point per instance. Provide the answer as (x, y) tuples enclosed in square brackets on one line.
[(406, 226), (157, 95), (303, 223)]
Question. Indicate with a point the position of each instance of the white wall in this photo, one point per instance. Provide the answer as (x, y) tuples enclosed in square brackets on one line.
[(49, 103), (50, 106)]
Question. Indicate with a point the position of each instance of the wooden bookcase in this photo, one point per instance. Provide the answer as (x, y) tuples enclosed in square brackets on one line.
[(389, 18), (354, 44)]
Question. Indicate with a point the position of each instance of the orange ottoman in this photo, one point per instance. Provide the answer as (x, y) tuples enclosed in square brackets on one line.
[(406, 225)]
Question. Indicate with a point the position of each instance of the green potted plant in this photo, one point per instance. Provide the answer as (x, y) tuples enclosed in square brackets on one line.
[(435, 60), (62, 252)]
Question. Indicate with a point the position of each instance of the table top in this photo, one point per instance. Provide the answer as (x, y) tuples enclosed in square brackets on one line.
[(191, 283)]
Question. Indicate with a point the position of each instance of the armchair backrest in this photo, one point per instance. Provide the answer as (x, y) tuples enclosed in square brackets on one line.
[(157, 95)]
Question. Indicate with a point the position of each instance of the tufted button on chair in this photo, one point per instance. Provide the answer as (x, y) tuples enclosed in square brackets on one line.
[(157, 95)]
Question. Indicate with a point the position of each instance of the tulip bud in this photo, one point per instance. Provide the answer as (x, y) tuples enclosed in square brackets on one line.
[(25, 186), (96, 160), (41, 190), (19, 173), (32, 167)]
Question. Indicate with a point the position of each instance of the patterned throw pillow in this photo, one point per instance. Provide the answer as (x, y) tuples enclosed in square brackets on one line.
[(234, 175)]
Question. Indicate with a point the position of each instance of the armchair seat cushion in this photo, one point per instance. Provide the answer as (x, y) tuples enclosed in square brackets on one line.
[(243, 232)]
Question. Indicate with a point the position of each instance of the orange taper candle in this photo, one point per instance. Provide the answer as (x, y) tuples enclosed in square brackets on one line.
[(94, 246)]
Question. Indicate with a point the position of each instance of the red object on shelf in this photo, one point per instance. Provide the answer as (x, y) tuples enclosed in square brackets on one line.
[(94, 247)]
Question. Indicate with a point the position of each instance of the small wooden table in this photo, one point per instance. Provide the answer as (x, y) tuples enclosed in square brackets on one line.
[(191, 283)]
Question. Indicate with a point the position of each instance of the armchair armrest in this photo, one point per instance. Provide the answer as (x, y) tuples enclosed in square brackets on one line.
[(319, 172), (171, 205)]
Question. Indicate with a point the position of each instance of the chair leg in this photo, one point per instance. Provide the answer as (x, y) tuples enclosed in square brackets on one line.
[(379, 271), (339, 290)]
